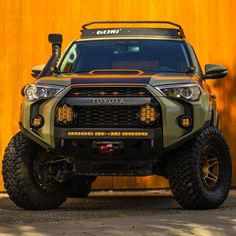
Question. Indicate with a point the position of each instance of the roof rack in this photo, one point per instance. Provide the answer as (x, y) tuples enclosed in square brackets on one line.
[(84, 27)]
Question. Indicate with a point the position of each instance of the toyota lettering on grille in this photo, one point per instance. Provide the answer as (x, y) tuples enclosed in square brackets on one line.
[(110, 101)]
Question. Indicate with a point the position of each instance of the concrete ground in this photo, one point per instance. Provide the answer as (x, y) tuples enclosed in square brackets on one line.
[(119, 213)]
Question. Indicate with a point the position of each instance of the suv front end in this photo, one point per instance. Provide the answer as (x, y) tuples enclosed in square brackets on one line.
[(117, 103)]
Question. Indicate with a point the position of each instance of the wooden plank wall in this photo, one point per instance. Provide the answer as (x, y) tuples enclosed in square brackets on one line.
[(25, 24)]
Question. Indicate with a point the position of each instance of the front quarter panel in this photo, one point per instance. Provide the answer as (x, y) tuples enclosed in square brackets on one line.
[(172, 109), (47, 111)]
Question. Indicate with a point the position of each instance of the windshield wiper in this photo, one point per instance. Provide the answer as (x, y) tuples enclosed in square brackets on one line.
[(159, 70), (111, 71), (73, 72), (80, 71), (188, 70)]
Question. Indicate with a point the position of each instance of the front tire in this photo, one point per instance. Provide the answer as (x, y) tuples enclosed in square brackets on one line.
[(200, 171), (19, 179)]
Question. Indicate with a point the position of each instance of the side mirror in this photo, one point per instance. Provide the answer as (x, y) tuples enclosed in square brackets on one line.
[(213, 71), (37, 70)]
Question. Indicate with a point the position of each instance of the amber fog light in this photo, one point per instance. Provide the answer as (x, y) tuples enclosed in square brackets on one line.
[(185, 121), (37, 121), (65, 114), (148, 114)]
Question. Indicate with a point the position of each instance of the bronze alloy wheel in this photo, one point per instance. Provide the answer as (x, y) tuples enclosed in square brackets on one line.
[(210, 168)]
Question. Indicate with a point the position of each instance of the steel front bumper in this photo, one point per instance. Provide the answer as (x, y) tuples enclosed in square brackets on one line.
[(139, 144)]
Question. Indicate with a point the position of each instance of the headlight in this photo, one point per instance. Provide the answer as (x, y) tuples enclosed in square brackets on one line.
[(34, 92), (190, 92)]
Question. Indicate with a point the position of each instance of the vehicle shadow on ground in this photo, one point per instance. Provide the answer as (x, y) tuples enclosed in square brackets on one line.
[(106, 202), (118, 215)]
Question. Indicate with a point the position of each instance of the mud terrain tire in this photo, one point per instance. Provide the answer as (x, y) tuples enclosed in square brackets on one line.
[(19, 180), (200, 171)]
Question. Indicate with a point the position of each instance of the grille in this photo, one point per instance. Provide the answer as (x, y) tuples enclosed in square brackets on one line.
[(109, 92), (108, 116)]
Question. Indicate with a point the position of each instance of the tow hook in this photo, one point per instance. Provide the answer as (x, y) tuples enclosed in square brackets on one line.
[(107, 149)]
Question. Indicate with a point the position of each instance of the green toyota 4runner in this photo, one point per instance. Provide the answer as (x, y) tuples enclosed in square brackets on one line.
[(119, 102)]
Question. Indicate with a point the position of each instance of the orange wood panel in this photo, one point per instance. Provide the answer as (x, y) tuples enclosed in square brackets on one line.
[(25, 24)]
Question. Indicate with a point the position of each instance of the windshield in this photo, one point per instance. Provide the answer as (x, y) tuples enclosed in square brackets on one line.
[(146, 55)]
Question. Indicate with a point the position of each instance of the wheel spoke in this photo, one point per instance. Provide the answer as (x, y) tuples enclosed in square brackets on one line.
[(212, 176), (209, 180), (212, 162)]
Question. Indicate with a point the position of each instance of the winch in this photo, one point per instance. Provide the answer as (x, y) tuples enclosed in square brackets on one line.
[(107, 147)]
